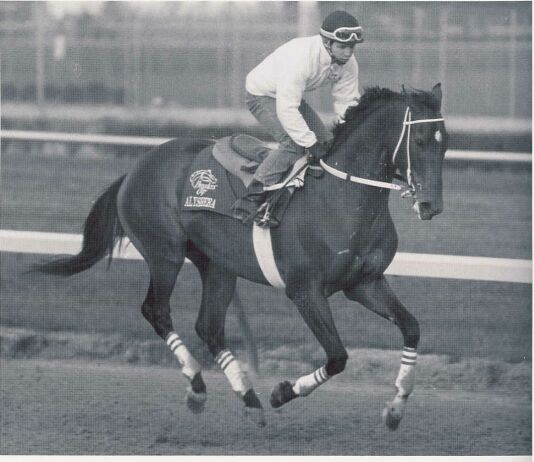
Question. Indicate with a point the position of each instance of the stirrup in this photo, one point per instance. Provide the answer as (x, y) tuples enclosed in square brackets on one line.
[(243, 214), (263, 217)]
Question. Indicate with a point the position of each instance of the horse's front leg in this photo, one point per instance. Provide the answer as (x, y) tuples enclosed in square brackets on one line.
[(314, 308), (376, 295)]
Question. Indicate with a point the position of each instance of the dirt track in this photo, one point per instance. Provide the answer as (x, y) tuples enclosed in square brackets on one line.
[(58, 407)]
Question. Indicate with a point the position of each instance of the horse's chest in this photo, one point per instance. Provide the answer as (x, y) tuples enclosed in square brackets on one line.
[(373, 263), (372, 252)]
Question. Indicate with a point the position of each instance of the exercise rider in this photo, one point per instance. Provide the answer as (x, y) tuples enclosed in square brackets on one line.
[(275, 89)]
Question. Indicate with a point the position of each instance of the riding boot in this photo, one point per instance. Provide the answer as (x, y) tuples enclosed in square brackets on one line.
[(246, 207)]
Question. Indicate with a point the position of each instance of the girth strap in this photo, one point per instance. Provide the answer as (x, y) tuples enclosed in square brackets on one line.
[(263, 248)]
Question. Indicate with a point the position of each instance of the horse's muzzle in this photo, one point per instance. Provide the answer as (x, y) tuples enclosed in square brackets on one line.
[(425, 211)]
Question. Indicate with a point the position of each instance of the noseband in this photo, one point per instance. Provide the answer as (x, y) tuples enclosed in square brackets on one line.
[(407, 122)]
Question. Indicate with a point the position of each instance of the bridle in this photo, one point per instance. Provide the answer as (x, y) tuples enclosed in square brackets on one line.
[(407, 122)]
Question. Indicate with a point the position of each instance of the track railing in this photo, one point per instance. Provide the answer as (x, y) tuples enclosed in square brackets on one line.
[(404, 264), (23, 135)]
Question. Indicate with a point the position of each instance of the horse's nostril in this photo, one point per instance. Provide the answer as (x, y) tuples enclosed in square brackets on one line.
[(425, 206), (423, 210)]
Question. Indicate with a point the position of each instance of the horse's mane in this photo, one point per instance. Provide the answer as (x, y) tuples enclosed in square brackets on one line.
[(374, 97)]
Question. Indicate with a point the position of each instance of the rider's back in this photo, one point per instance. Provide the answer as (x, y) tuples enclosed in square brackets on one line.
[(303, 61)]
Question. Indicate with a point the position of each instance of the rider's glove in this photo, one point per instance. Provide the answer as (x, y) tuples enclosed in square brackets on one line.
[(317, 151)]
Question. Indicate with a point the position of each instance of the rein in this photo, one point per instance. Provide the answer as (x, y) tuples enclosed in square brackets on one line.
[(407, 122)]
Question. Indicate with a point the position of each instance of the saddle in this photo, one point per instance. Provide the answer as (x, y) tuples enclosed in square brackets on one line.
[(241, 155), (220, 175)]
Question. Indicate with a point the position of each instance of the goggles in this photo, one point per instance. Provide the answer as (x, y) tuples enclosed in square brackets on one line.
[(345, 34)]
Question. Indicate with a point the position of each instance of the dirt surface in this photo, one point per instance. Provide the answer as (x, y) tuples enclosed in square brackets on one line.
[(76, 407)]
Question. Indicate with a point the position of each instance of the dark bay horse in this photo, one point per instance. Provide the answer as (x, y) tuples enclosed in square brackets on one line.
[(337, 234)]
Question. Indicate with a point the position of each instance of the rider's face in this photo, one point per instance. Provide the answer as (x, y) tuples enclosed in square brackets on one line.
[(341, 52)]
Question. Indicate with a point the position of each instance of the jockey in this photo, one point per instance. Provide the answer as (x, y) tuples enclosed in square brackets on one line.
[(275, 88)]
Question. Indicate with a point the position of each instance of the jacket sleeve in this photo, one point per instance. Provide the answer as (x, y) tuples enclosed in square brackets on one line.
[(289, 90), (346, 92)]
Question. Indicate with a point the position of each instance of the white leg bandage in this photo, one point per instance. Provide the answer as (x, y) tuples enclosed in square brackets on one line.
[(190, 366), (406, 379), (307, 383), (237, 377)]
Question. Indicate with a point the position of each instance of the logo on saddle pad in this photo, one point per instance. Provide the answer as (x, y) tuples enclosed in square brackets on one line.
[(202, 181)]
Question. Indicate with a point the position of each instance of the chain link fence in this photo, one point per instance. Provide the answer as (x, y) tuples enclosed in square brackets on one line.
[(197, 54)]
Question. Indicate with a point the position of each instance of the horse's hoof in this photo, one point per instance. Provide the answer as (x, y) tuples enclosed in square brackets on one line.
[(392, 415), (256, 415), (195, 401), (282, 393)]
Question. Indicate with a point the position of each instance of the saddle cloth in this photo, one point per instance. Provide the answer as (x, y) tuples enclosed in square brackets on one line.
[(218, 176), (208, 186)]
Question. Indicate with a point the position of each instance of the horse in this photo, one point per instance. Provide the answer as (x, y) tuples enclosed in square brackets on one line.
[(337, 235)]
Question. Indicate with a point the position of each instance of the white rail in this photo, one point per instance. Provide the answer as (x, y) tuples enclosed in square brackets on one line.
[(23, 135), (404, 264)]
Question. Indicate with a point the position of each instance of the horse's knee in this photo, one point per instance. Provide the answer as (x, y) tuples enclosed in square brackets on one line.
[(336, 365)]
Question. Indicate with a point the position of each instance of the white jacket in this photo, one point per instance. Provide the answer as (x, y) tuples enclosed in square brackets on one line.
[(303, 64)]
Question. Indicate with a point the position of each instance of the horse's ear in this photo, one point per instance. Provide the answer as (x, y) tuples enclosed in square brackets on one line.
[(436, 93)]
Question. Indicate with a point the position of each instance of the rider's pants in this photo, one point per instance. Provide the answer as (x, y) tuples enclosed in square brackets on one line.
[(263, 108)]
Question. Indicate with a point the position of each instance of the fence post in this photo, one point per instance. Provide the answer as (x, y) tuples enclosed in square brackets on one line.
[(443, 48), (236, 84), (309, 20), (513, 64), (223, 83), (137, 65), (126, 68), (132, 58), (39, 18), (419, 17)]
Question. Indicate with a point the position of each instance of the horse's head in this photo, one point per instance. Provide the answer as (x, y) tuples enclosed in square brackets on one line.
[(388, 132), (421, 150)]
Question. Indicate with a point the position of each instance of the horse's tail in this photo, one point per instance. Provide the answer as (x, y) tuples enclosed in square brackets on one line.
[(102, 229)]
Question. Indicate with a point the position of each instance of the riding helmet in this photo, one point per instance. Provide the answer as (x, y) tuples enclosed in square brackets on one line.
[(342, 27)]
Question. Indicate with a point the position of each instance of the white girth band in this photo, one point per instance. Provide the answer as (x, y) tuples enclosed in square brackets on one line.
[(263, 248)]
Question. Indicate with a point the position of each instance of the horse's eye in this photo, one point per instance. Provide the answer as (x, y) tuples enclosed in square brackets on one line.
[(419, 141)]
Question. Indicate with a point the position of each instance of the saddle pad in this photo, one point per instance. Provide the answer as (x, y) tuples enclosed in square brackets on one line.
[(207, 187)]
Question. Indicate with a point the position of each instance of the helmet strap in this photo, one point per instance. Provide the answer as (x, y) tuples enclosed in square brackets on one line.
[(328, 45)]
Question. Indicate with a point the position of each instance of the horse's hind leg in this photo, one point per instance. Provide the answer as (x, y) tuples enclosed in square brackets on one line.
[(377, 296), (218, 287), (156, 310)]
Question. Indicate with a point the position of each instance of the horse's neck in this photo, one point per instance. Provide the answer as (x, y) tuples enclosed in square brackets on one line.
[(367, 152)]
